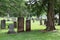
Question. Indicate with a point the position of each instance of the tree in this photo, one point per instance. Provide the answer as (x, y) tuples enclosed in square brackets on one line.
[(50, 16), (57, 8), (37, 9), (3, 8), (58, 4), (12, 7), (17, 8)]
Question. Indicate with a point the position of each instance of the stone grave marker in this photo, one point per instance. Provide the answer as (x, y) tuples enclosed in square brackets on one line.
[(14, 21), (11, 29), (15, 24), (3, 24), (44, 21), (20, 24), (28, 25), (33, 20)]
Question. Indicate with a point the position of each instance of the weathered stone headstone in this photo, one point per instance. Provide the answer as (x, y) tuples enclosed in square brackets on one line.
[(14, 19), (11, 29), (15, 24), (20, 24), (45, 21), (28, 25), (3, 24), (33, 20)]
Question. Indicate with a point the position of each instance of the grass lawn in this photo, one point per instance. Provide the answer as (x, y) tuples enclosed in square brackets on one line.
[(33, 35)]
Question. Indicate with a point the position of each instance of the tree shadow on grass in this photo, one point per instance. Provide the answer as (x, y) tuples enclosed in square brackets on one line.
[(33, 34)]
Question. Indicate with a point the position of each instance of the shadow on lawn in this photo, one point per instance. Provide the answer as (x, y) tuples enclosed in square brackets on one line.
[(32, 31), (34, 34)]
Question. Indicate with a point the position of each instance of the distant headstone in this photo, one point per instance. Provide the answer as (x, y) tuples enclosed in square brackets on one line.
[(3, 24), (28, 25), (15, 24), (45, 22), (14, 21), (20, 24), (33, 20), (11, 29)]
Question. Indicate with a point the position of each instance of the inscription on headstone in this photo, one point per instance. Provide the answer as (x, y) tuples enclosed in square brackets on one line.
[(20, 24)]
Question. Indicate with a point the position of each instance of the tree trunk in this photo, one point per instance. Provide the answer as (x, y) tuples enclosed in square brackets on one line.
[(59, 18), (59, 13), (50, 16)]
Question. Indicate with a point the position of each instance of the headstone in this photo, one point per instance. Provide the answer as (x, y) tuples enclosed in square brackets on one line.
[(14, 19), (33, 20), (11, 29), (41, 23), (45, 21), (3, 24), (20, 24), (28, 25), (15, 24)]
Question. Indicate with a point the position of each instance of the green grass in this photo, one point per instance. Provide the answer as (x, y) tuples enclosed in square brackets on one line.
[(35, 34)]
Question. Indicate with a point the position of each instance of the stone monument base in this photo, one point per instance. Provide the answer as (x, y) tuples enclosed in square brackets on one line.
[(11, 32)]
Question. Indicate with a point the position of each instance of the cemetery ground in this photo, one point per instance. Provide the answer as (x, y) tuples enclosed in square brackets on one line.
[(34, 34)]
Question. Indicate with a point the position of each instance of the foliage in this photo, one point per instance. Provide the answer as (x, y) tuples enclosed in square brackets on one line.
[(12, 7), (19, 8)]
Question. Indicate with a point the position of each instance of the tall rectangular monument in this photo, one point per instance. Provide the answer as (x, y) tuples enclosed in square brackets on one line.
[(20, 24), (3, 24), (28, 25)]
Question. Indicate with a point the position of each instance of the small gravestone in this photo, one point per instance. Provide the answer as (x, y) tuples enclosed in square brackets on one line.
[(20, 24), (33, 20), (15, 24), (28, 25), (14, 21), (3, 24), (11, 29), (45, 21)]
